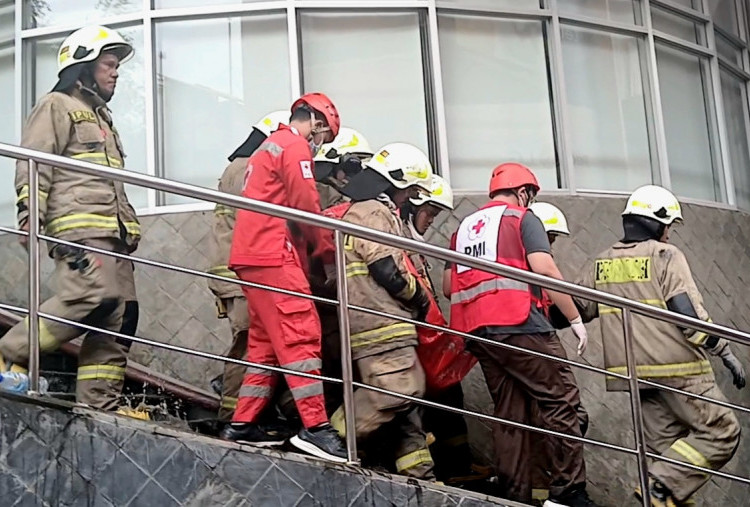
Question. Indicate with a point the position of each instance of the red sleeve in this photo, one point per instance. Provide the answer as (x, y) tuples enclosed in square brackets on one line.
[(301, 193)]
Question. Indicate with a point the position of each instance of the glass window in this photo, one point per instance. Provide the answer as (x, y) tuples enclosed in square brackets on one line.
[(734, 93), (679, 26), (38, 13), (207, 110), (726, 49), (607, 110), (166, 4), (7, 20), (7, 132), (371, 67), (692, 4), (489, 4), (128, 104), (724, 15), (621, 11), (683, 82), (497, 98)]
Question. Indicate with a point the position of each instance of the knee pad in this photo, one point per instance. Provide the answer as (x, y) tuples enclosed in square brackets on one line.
[(129, 323), (105, 307)]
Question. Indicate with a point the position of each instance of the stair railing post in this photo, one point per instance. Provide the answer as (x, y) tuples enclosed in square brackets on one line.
[(346, 348), (33, 250), (635, 405)]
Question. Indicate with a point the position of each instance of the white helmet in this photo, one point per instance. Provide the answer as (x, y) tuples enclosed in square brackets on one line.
[(87, 43), (271, 122), (347, 141), (552, 218), (654, 202), (441, 194), (403, 165)]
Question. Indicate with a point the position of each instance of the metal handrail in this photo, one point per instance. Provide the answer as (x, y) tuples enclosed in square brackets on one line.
[(276, 210), (340, 229)]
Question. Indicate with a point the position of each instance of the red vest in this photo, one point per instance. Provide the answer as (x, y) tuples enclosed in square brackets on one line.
[(480, 299)]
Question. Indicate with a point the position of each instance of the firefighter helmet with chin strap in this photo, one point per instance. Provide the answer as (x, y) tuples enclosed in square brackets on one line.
[(655, 202), (441, 195), (88, 43), (348, 141), (403, 165), (552, 218), (270, 122), (322, 104)]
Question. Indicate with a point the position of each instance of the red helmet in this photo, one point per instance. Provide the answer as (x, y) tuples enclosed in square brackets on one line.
[(512, 175), (322, 104)]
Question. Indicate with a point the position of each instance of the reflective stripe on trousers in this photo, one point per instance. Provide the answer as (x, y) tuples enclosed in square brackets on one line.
[(101, 371), (413, 460)]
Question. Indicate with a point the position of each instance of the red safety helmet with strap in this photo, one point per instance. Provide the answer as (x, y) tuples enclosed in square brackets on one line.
[(512, 175), (322, 104)]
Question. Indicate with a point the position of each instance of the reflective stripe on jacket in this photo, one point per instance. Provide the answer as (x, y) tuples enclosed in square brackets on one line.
[(653, 273), (373, 334), (75, 206)]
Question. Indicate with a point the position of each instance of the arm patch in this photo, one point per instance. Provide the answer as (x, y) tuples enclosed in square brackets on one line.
[(79, 116)]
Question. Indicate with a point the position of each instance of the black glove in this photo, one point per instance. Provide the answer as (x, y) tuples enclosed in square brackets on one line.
[(420, 302)]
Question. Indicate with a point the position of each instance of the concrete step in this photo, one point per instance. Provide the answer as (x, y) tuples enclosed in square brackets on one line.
[(56, 453)]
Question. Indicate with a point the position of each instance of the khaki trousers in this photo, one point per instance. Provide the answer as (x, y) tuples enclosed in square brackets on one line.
[(92, 289), (690, 430)]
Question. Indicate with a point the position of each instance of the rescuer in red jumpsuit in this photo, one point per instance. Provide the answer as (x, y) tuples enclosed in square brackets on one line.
[(284, 329)]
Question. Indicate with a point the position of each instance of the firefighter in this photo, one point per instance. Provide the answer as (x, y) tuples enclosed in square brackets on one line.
[(450, 451), (509, 311), (337, 162), (555, 225), (230, 302), (284, 329), (644, 267), (73, 120), (383, 349)]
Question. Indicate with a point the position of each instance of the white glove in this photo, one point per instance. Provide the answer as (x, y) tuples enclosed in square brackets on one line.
[(580, 331)]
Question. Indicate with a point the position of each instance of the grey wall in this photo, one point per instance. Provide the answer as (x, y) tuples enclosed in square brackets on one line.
[(178, 309)]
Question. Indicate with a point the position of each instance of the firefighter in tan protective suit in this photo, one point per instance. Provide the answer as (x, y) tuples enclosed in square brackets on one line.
[(74, 121), (383, 349), (230, 302), (335, 163), (450, 450), (645, 268)]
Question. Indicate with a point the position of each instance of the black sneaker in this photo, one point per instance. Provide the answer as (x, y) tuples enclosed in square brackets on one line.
[(575, 498), (249, 433), (322, 441)]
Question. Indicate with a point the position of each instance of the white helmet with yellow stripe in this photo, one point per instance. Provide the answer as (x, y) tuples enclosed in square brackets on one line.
[(654, 202), (441, 194), (88, 43), (552, 218), (403, 165), (270, 122), (348, 141)]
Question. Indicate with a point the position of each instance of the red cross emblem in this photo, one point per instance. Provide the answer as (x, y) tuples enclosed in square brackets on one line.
[(477, 229)]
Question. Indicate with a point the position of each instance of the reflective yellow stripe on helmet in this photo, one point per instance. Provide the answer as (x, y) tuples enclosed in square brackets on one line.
[(666, 370)]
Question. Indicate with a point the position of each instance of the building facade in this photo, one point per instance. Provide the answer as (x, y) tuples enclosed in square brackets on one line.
[(597, 96)]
